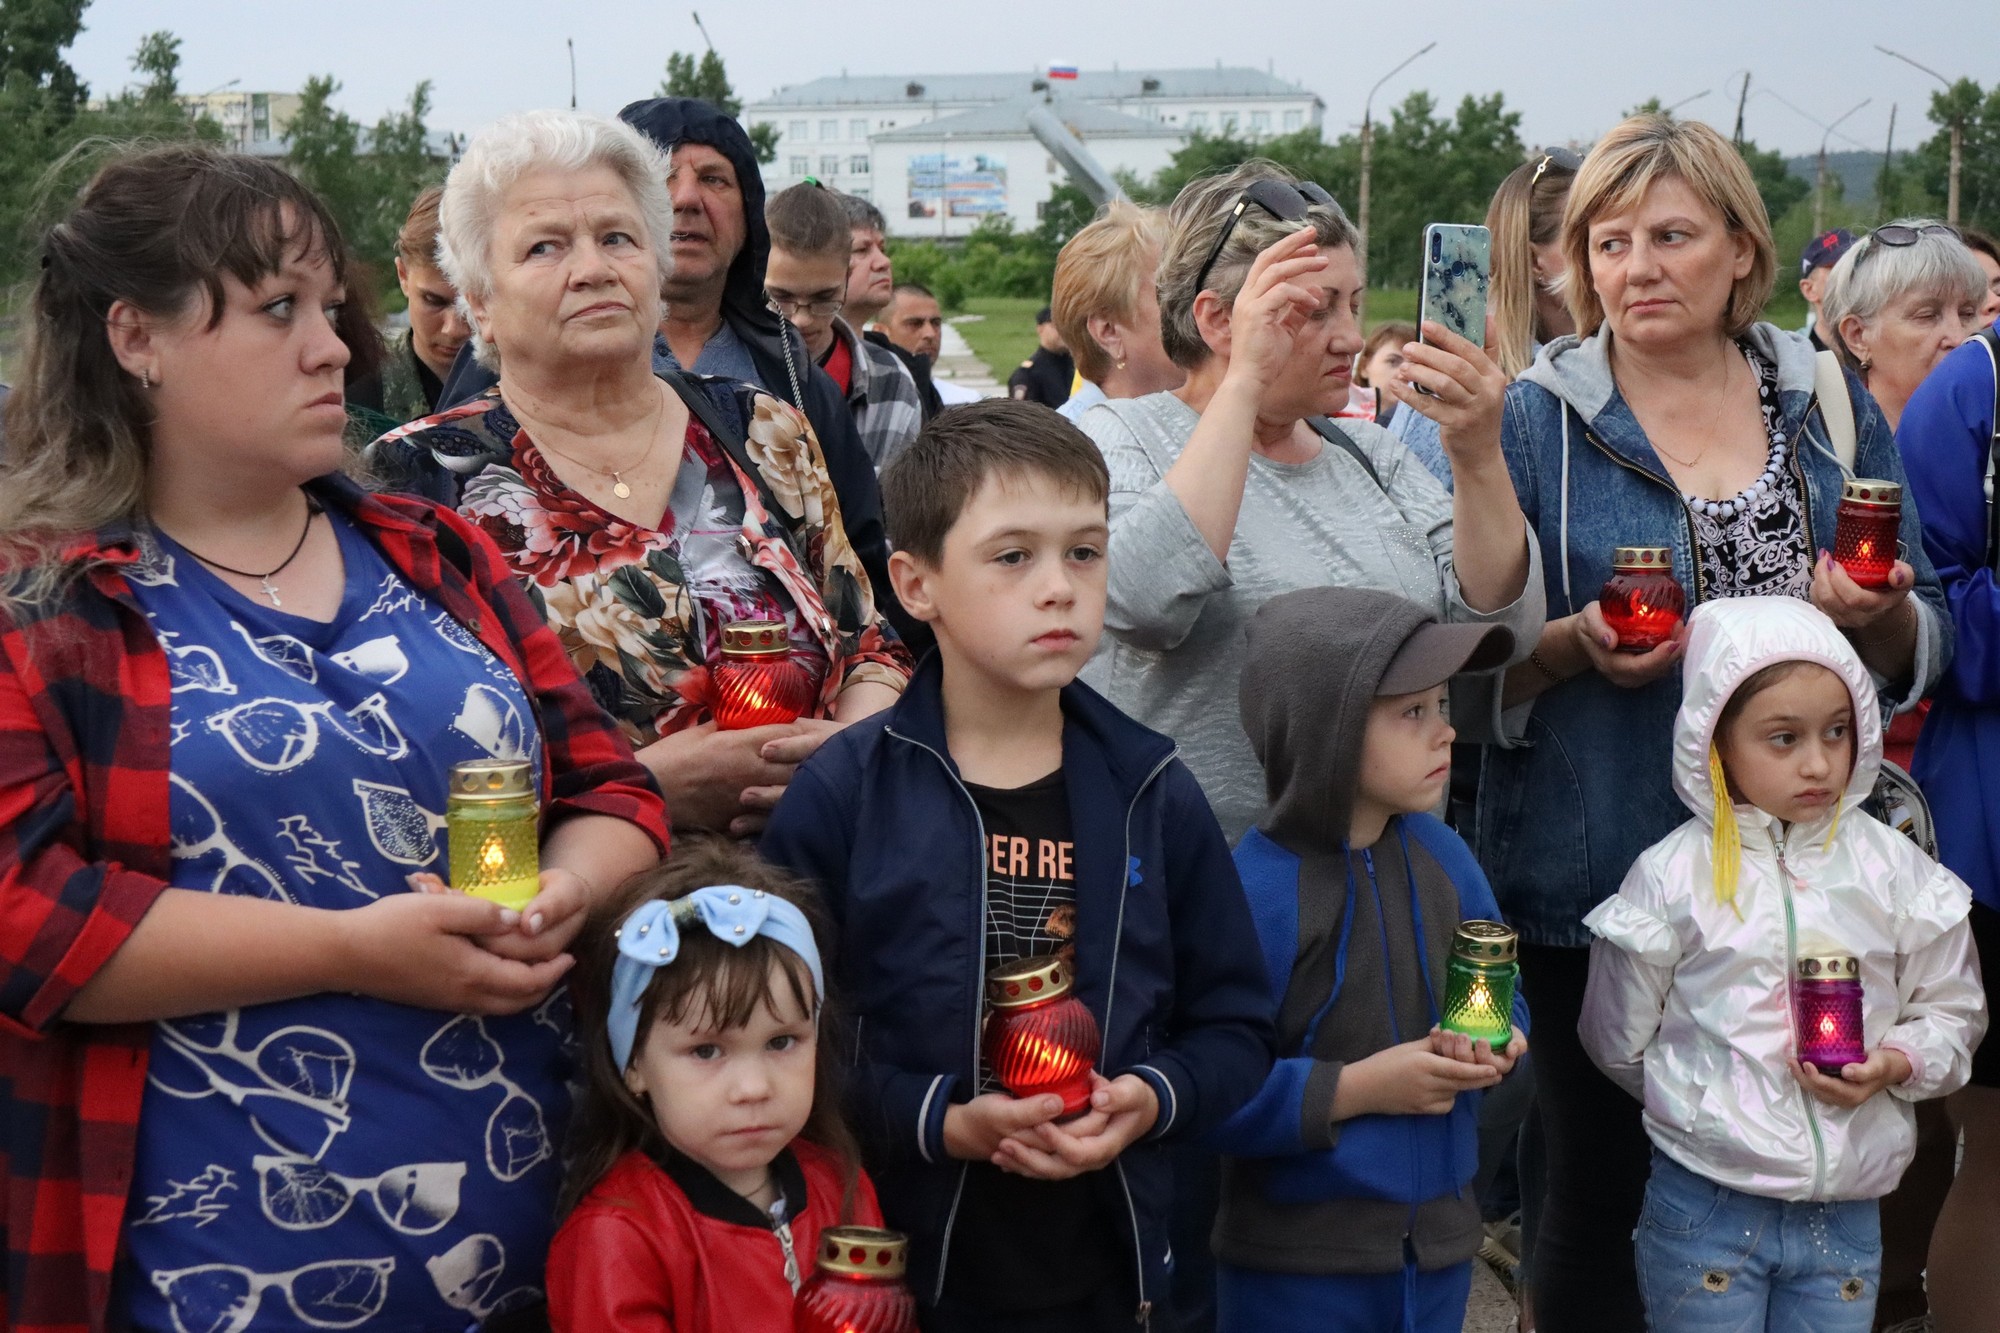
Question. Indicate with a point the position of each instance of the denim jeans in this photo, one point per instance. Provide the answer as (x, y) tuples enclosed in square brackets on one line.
[(1713, 1260)]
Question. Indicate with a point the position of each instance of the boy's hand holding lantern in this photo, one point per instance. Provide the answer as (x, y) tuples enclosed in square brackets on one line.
[(1039, 1037), (1479, 983)]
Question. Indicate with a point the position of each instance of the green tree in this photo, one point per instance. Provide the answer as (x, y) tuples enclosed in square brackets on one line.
[(1776, 185), (159, 59), (708, 79), (367, 176), (1979, 171)]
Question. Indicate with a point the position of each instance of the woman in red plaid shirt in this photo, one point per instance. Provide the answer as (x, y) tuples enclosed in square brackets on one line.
[(248, 1078)]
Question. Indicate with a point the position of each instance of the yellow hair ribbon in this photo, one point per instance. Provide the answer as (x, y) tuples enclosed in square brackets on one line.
[(1728, 851)]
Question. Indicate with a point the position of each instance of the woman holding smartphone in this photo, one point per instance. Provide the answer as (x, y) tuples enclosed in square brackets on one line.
[(1671, 418), (1235, 487)]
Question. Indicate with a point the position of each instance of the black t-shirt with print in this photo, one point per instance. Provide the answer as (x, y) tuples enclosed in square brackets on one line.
[(1022, 1244)]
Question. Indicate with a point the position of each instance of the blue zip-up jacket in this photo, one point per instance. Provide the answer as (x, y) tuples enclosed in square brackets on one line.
[(1566, 810), (1946, 436), (1401, 1159), (1166, 957)]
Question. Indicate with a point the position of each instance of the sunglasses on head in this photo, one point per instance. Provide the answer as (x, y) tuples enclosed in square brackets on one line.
[(1282, 201), (1897, 234)]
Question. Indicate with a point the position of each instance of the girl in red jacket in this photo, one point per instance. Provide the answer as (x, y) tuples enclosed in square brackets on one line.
[(708, 1149)]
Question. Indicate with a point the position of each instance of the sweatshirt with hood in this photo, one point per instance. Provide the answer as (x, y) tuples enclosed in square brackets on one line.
[(1356, 941), (1579, 784), (1689, 1003)]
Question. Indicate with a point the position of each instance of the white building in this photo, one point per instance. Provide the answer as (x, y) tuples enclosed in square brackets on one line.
[(939, 153)]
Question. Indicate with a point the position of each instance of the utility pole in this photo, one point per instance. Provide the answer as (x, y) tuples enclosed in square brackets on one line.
[(1957, 128), (1819, 189), (572, 72), (1882, 182), (1367, 162), (1741, 98), (703, 31)]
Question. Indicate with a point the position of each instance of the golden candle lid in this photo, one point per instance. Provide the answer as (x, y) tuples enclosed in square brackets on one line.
[(863, 1252), (1869, 491), (755, 638), (1642, 558), (490, 780), (1829, 967), (1484, 942), (1029, 981)]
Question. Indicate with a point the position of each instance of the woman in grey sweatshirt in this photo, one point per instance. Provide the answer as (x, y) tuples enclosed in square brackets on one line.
[(1235, 487)]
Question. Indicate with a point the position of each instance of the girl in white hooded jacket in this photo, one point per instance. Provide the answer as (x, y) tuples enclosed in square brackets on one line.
[(1761, 1209)]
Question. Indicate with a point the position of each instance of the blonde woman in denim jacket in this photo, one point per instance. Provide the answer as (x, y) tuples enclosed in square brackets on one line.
[(1673, 419)]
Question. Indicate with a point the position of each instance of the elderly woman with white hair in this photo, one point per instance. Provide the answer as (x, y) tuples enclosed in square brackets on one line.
[(645, 513), (1901, 298)]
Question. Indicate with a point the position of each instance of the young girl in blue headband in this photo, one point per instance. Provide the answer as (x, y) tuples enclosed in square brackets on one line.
[(708, 1151)]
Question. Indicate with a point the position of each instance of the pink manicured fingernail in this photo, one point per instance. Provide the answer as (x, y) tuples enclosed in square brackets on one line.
[(509, 917), (535, 923)]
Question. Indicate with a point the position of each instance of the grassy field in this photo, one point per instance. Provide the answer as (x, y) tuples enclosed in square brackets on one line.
[(1005, 335)]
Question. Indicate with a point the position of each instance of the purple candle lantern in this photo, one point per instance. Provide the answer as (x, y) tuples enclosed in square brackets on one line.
[(1827, 997)]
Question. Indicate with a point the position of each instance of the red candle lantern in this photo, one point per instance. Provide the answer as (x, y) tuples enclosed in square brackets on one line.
[(1642, 601), (757, 683), (1864, 537), (1039, 1037), (1827, 999), (857, 1285)]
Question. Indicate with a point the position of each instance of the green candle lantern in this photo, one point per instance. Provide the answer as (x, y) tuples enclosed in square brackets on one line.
[(494, 828), (1479, 983)]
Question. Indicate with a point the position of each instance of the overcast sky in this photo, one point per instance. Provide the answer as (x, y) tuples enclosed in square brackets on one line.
[(1569, 67)]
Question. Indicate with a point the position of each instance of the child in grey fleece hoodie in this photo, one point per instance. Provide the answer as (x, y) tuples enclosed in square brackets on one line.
[(1346, 1201)]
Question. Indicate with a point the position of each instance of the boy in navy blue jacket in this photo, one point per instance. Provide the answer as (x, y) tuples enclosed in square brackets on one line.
[(1346, 1199), (1002, 810)]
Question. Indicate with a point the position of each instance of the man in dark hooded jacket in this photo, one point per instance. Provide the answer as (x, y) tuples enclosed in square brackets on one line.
[(717, 314)]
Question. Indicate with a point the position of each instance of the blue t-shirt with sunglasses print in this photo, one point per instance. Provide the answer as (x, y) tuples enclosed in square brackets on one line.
[(333, 1162)]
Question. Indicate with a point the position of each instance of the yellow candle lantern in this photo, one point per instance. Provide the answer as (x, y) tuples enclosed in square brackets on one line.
[(494, 829)]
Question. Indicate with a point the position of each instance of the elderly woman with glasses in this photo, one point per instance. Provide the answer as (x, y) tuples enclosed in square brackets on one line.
[(1900, 299), (1236, 487), (1671, 419), (645, 516)]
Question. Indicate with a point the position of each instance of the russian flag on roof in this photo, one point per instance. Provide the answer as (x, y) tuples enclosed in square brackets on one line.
[(1059, 69)]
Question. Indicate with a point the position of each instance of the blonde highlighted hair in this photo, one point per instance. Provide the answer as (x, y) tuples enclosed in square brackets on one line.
[(1527, 211), (1626, 163), (1098, 273)]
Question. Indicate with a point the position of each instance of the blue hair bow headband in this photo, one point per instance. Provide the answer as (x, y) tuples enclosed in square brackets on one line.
[(650, 939)]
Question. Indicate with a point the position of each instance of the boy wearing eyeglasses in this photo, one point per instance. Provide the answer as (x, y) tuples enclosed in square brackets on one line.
[(805, 281)]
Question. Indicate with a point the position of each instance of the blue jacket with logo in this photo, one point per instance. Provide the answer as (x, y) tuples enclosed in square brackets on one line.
[(1946, 435), (1587, 785), (1166, 956)]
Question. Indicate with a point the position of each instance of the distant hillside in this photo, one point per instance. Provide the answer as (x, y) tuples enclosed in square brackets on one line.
[(1857, 171)]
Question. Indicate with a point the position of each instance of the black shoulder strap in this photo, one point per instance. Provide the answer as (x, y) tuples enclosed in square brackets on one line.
[(1340, 439), (1992, 341), (727, 436)]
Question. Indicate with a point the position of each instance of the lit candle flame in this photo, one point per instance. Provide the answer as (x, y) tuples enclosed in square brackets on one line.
[(1481, 997), (493, 859), (1865, 551), (1043, 1057), (1827, 1026)]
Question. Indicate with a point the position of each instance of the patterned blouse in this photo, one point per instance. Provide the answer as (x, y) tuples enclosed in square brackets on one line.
[(640, 609), (1758, 547)]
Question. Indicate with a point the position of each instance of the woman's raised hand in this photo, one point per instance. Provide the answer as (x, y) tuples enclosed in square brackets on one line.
[(1853, 607), (428, 949), (1467, 392), (1273, 307)]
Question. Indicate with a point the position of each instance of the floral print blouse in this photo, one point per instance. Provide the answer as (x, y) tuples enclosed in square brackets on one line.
[(640, 609)]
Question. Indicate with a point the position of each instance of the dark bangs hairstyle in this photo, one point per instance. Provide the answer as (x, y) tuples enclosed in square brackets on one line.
[(160, 229), (710, 981), (926, 488)]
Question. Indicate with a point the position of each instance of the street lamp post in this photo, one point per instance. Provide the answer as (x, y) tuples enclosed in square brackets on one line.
[(1819, 186), (1957, 128), (1367, 162)]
